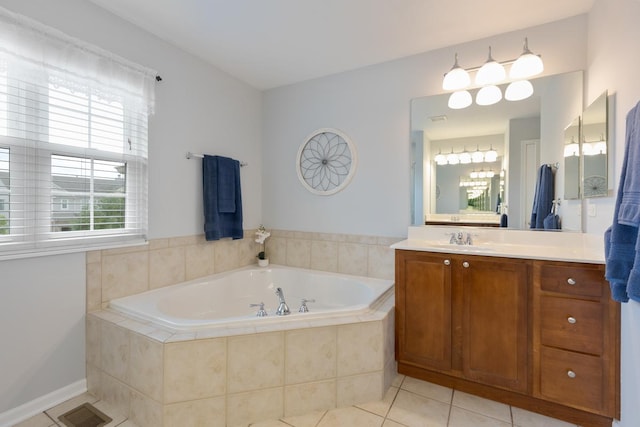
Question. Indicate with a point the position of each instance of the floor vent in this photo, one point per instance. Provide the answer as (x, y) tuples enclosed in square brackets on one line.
[(85, 415)]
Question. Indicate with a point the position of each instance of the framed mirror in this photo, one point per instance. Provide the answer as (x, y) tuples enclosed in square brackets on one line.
[(525, 134), (594, 148)]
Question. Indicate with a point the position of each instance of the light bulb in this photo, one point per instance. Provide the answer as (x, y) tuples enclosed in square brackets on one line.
[(519, 90), (488, 95), (490, 174), (460, 99), (527, 65), (477, 156), (457, 78), (491, 72), (440, 159), (473, 174), (452, 158), (465, 157)]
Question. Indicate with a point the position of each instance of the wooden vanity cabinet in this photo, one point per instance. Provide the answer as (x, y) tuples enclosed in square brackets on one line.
[(540, 335), (576, 337), (466, 316)]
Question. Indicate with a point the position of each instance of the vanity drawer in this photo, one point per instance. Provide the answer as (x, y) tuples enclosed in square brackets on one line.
[(583, 281), (572, 378), (572, 324)]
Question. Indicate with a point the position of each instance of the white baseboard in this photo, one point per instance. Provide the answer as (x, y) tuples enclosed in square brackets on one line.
[(41, 404)]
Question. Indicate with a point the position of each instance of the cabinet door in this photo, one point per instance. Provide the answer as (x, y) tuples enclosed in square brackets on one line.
[(423, 309), (495, 338)]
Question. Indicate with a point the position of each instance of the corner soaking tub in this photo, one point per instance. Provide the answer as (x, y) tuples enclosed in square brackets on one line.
[(225, 299)]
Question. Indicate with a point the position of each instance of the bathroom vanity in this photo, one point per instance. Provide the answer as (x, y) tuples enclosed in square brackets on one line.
[(529, 325)]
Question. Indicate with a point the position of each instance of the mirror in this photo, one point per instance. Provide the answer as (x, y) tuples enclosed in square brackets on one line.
[(572, 160), (594, 148), (525, 134)]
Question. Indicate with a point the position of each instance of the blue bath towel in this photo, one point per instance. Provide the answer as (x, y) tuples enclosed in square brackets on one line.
[(543, 198), (622, 243), (222, 198)]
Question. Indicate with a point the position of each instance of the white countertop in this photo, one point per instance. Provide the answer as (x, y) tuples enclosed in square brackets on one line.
[(529, 244)]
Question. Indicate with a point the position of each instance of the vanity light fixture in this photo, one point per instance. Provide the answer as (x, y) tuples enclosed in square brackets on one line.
[(457, 78), (452, 158), (440, 158), (527, 65), (571, 149), (464, 157), (477, 156), (489, 75), (491, 72)]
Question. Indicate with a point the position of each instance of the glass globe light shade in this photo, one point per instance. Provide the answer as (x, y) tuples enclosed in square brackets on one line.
[(527, 65), (491, 155), (453, 159), (491, 72), (473, 175), (490, 174), (440, 159), (477, 156), (465, 157), (457, 78), (600, 147), (518, 90), (460, 99), (482, 174), (488, 95)]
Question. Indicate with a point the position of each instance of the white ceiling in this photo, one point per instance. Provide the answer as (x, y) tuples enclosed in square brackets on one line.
[(271, 43)]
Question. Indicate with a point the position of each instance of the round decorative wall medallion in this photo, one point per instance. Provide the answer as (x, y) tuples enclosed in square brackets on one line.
[(326, 162)]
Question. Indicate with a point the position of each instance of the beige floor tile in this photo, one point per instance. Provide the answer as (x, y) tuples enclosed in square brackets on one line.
[(68, 405), (381, 407), (350, 416), (128, 423), (389, 423), (40, 420), (522, 418), (308, 420), (463, 418), (116, 418), (398, 380), (429, 390), (416, 411), (272, 423), (482, 406)]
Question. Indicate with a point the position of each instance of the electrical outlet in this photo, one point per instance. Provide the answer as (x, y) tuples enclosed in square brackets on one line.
[(591, 210)]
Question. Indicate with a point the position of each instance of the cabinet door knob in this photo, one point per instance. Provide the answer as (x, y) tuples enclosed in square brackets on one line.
[(571, 374), (571, 320), (571, 281), (465, 264), (447, 262)]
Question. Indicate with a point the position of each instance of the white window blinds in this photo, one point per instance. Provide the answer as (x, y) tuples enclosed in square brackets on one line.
[(73, 142)]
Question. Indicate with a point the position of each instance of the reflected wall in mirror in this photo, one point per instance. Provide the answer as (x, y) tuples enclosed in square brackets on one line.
[(594, 148), (572, 160), (525, 134)]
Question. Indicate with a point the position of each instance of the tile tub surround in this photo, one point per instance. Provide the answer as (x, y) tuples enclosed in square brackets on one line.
[(114, 273), (236, 376)]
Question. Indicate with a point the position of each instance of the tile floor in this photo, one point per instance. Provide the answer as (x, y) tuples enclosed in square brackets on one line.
[(409, 403)]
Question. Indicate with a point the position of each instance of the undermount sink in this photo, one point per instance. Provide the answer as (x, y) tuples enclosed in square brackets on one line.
[(460, 248)]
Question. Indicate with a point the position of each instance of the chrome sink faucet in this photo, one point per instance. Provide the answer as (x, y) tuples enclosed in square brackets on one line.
[(460, 238), (283, 308)]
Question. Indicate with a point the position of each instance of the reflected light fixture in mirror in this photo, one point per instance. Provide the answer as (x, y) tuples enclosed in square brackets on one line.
[(518, 90), (460, 99), (572, 148), (488, 95), (491, 156)]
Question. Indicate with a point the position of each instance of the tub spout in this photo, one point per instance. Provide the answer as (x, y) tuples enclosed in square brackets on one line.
[(283, 308)]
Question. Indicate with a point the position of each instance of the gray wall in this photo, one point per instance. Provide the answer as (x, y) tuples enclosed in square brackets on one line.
[(199, 109)]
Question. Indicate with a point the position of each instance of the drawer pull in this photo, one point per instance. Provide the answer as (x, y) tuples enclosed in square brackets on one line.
[(465, 264), (571, 281), (571, 374), (571, 320), (447, 262)]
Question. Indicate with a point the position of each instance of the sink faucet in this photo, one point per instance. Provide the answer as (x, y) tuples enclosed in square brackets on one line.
[(460, 238), (283, 308)]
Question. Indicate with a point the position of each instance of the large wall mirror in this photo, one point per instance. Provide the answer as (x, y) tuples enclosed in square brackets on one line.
[(524, 135)]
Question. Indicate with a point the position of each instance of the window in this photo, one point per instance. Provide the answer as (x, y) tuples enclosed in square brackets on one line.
[(73, 146)]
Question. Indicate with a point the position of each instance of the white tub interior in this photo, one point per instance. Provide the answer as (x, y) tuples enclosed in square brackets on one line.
[(225, 298)]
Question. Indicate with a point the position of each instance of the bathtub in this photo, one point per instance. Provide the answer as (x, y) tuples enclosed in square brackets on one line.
[(225, 299)]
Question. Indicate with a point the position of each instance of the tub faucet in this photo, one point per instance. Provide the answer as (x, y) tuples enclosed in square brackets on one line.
[(283, 308)]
